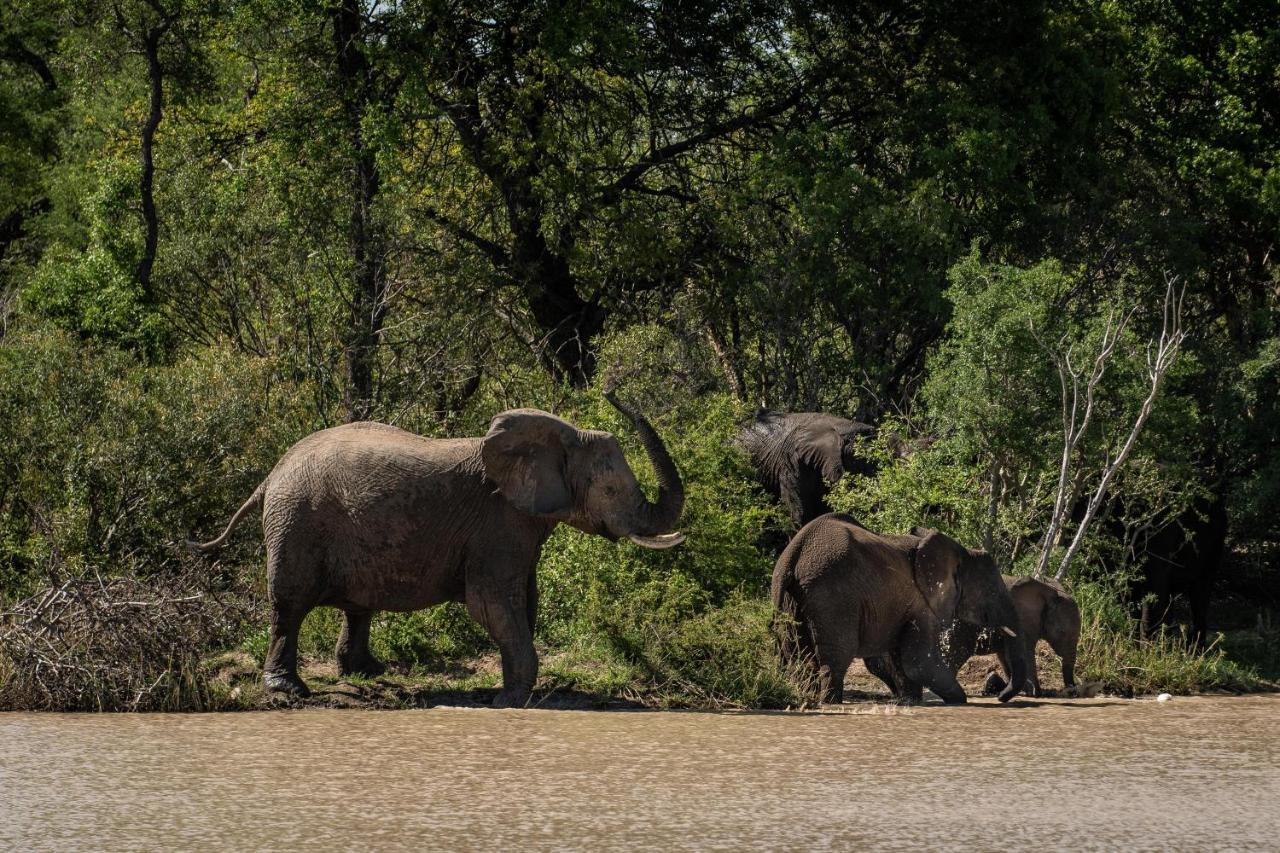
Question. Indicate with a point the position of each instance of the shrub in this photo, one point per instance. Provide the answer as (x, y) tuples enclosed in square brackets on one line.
[(1112, 653), (720, 658), (111, 463)]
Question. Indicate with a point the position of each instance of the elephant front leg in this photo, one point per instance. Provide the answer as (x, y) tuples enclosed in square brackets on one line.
[(504, 613), (923, 664), (354, 657)]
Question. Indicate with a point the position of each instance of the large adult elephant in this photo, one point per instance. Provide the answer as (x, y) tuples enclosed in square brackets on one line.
[(849, 592), (798, 456), (1045, 611), (367, 517)]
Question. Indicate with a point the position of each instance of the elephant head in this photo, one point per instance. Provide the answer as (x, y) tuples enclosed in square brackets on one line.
[(547, 467), (964, 583), (827, 443)]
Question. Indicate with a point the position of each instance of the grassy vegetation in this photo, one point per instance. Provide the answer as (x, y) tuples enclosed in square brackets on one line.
[(1112, 654)]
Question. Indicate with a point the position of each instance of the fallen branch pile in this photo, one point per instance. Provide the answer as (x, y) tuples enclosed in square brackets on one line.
[(115, 644)]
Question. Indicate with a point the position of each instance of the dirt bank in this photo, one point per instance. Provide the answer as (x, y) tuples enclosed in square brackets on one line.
[(474, 683)]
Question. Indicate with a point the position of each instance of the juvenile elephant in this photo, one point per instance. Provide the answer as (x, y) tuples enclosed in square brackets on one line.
[(1045, 612), (853, 593), (368, 517), (798, 456)]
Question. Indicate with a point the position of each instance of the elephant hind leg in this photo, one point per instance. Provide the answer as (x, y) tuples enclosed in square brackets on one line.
[(1066, 649), (833, 659), (293, 587), (880, 668), (354, 657), (280, 673), (831, 679)]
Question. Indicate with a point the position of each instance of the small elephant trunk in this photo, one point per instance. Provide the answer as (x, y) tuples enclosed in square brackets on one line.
[(1019, 666), (659, 516)]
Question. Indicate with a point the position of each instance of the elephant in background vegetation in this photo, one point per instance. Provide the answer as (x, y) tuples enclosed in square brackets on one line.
[(1045, 612), (854, 593), (367, 517), (1181, 556), (798, 456)]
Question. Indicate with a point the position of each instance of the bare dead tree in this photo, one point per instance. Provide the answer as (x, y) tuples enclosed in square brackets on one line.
[(1078, 408)]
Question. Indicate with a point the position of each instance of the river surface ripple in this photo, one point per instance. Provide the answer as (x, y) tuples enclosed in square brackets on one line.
[(1191, 774)]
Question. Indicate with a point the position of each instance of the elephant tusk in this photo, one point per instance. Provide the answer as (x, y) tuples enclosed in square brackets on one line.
[(1008, 630), (666, 540)]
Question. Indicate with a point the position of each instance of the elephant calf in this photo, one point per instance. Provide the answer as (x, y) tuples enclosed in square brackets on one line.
[(368, 517), (845, 592), (1045, 612)]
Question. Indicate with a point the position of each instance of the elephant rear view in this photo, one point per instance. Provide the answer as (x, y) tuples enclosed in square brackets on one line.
[(843, 591), (368, 517)]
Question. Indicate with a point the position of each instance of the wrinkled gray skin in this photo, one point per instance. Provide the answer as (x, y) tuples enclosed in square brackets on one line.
[(368, 517), (1045, 612), (854, 593), (798, 457)]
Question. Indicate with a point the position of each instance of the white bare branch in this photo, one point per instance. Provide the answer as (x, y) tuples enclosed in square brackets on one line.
[(1161, 355)]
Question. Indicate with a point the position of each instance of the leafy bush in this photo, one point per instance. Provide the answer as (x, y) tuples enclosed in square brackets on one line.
[(109, 463), (721, 657), (927, 486)]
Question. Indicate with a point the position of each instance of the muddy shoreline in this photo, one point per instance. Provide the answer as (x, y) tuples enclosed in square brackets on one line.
[(473, 684)]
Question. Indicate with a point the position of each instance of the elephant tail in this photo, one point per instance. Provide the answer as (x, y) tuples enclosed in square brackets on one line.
[(254, 501)]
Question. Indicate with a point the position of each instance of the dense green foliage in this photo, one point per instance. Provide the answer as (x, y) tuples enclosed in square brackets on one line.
[(223, 225)]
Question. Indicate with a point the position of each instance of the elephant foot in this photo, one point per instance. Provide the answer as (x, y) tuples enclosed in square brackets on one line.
[(289, 683), (365, 666), (511, 698)]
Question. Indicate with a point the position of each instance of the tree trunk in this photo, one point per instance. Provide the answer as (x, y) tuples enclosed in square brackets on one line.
[(150, 222), (368, 259)]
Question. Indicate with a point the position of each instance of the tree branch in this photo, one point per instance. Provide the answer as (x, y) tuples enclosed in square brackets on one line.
[(660, 156), (1166, 353), (492, 250)]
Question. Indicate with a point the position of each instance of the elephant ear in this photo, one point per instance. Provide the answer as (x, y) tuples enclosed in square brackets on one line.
[(935, 563), (822, 446), (525, 455)]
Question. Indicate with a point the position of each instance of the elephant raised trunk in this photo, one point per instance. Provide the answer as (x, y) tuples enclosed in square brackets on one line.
[(658, 517)]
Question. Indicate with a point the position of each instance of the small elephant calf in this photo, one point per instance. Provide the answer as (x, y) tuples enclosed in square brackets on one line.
[(1045, 612)]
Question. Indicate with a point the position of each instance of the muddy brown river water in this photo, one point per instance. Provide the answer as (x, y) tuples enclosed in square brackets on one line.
[(1191, 774)]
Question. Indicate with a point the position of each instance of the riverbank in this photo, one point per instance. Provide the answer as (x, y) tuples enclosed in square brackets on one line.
[(120, 645), (565, 685)]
